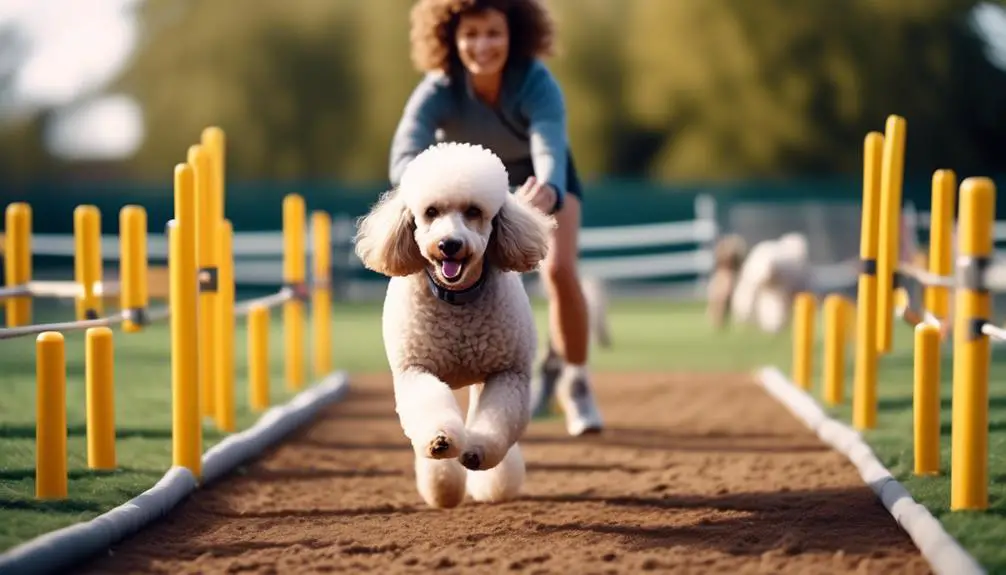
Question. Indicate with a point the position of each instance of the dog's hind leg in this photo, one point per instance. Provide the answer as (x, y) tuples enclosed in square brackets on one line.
[(498, 414), (429, 415), (501, 483), (440, 482)]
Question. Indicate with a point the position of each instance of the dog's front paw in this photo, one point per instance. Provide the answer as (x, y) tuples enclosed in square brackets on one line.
[(440, 446), (443, 445)]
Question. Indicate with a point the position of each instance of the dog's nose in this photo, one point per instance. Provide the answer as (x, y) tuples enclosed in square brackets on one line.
[(450, 246)]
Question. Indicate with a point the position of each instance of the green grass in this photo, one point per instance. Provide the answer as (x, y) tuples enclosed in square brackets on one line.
[(649, 336)]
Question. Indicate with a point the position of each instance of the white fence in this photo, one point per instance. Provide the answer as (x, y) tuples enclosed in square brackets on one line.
[(259, 255), (665, 267)]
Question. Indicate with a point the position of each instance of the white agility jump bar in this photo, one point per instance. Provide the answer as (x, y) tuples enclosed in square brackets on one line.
[(944, 554)]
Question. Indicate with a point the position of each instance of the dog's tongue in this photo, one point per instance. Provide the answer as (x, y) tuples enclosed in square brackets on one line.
[(450, 269)]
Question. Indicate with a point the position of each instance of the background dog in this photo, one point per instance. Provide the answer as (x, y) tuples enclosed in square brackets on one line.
[(770, 277), (728, 254)]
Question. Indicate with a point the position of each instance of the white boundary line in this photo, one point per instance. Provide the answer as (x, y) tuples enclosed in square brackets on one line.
[(64, 547), (943, 552)]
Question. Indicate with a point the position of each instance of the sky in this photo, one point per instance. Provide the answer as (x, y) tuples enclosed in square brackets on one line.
[(78, 46), (75, 48)]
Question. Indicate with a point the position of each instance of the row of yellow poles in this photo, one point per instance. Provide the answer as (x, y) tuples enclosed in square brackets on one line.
[(51, 458), (202, 334), (879, 289), (203, 321)]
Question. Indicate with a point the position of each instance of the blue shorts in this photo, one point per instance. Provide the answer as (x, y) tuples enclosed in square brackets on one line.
[(573, 186)]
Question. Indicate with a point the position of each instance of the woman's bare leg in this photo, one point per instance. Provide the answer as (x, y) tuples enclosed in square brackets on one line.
[(569, 327)]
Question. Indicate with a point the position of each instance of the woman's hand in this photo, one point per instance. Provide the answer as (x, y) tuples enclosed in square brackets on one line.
[(539, 194)]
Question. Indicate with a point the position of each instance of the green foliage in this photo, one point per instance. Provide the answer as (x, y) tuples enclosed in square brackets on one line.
[(670, 89)]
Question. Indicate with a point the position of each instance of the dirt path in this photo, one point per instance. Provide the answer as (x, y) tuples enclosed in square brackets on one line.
[(695, 474)]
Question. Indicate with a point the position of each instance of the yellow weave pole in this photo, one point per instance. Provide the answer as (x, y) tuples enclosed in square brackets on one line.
[(186, 429), (225, 349), (834, 349), (803, 339), (972, 308), (321, 292), (258, 357), (50, 416), (941, 228), (134, 296), (849, 314), (17, 261), (214, 140), (864, 387), (87, 260), (99, 380), (294, 232), (926, 399), (891, 176), (207, 234)]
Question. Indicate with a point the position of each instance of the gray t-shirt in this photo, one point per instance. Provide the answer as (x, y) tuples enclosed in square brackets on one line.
[(527, 129)]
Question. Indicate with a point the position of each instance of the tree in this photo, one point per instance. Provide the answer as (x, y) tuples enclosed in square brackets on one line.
[(280, 78)]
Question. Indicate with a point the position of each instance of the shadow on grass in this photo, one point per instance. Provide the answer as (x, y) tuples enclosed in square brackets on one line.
[(947, 427), (905, 359), (997, 511), (64, 506), (906, 402), (73, 474), (8, 431)]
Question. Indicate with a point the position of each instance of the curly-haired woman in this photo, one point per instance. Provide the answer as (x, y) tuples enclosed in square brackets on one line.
[(485, 84)]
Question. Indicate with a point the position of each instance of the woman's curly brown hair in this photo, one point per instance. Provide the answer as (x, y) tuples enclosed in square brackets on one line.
[(435, 22)]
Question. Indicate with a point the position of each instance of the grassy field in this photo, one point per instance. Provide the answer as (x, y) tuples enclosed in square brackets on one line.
[(649, 336)]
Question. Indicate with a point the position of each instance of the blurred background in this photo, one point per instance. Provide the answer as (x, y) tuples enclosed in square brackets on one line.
[(748, 115)]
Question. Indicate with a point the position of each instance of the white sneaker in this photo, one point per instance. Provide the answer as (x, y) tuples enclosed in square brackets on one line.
[(577, 401)]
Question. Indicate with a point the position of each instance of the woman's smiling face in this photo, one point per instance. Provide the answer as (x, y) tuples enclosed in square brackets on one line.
[(483, 42)]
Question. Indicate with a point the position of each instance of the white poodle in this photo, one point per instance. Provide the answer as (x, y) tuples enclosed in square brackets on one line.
[(454, 240), (771, 276)]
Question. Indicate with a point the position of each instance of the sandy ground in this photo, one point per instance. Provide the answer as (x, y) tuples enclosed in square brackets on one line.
[(695, 474)]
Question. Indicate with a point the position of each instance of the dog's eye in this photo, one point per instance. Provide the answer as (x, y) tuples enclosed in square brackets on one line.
[(473, 213), (431, 213)]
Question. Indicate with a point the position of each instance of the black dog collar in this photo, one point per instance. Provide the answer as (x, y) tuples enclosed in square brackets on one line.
[(458, 297)]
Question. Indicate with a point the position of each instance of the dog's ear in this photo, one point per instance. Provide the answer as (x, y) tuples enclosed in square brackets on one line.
[(384, 239), (519, 240)]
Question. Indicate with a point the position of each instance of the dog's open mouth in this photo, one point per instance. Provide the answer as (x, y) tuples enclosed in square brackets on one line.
[(451, 269)]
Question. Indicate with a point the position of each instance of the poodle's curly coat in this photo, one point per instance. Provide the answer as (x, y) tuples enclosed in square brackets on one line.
[(453, 223)]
